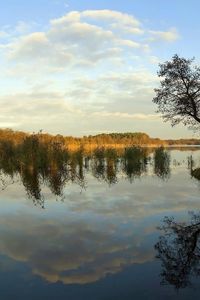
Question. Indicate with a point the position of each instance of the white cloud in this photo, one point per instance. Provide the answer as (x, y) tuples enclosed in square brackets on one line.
[(127, 29), (129, 43), (33, 45), (83, 100), (138, 116), (110, 16), (9, 124), (73, 16), (3, 34), (23, 27), (154, 59), (83, 38), (169, 36), (97, 64)]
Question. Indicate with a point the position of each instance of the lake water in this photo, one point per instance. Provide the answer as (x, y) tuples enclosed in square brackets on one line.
[(96, 236)]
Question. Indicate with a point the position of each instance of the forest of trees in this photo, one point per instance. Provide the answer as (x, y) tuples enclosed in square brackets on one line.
[(110, 140)]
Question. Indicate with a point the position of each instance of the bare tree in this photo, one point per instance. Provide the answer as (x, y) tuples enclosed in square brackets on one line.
[(178, 97)]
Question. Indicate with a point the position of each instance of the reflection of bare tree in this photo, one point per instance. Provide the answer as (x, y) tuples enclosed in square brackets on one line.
[(179, 251), (195, 173)]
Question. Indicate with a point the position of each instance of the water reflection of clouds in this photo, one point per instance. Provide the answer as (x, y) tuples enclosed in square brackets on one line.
[(97, 232), (122, 201), (143, 198), (84, 239), (70, 252)]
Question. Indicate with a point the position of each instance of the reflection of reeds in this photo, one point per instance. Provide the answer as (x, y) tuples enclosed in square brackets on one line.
[(162, 163), (38, 162), (134, 161)]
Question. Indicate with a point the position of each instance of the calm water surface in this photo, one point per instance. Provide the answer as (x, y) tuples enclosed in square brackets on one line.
[(99, 239)]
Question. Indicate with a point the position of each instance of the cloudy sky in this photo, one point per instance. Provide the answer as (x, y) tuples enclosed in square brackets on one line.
[(83, 67)]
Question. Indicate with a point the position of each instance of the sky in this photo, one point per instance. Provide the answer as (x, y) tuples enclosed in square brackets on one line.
[(83, 67)]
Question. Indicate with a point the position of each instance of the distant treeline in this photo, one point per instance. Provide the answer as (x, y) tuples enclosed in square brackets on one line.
[(115, 140)]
